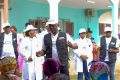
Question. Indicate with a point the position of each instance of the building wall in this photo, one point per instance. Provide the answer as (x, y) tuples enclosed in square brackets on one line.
[(23, 10)]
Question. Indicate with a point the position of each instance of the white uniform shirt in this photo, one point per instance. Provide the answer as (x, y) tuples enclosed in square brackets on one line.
[(54, 49), (108, 40), (84, 48), (107, 46), (29, 47), (41, 38), (8, 49)]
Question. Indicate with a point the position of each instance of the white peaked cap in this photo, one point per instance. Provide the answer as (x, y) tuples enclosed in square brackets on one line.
[(6, 24), (108, 29), (51, 22), (82, 30)]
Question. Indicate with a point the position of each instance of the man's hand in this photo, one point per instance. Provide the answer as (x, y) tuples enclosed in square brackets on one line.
[(84, 57), (69, 44), (73, 46), (113, 50), (110, 50), (30, 59), (40, 53)]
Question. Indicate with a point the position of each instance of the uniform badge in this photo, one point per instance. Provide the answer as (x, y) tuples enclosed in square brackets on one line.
[(61, 38)]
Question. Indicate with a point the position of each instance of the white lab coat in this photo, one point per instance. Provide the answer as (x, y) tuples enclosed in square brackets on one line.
[(85, 48), (31, 70)]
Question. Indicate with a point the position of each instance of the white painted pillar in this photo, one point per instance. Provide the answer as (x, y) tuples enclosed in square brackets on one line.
[(54, 9), (115, 16), (5, 11)]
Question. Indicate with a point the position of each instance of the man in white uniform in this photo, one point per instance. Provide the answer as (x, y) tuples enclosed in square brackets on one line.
[(83, 55)]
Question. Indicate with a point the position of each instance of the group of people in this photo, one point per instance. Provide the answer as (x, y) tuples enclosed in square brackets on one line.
[(41, 48), (105, 52)]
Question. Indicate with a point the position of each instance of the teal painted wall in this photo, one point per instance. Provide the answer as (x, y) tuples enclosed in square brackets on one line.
[(75, 15), (94, 25), (23, 10)]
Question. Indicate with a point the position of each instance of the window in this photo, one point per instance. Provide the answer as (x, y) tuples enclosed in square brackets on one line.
[(65, 25), (36, 22), (102, 28), (70, 28)]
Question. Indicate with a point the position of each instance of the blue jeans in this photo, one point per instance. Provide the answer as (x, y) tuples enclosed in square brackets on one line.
[(80, 76), (85, 72), (112, 68)]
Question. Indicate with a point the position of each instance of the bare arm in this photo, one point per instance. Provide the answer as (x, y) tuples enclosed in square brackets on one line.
[(71, 43), (114, 50), (40, 53), (73, 46)]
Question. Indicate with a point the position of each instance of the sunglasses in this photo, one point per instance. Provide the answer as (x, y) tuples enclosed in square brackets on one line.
[(83, 33), (108, 31)]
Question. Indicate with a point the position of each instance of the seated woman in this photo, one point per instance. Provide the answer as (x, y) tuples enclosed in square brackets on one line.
[(51, 70), (7, 68), (98, 70)]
